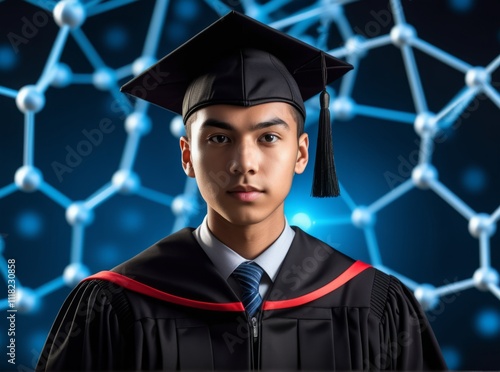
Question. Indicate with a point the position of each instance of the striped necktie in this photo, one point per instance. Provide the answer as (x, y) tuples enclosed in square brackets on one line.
[(248, 275)]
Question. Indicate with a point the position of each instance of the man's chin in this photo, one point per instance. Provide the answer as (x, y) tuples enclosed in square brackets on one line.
[(249, 215)]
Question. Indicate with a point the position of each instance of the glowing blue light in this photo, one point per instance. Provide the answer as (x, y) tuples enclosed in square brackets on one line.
[(177, 32), (109, 254), (452, 357), (186, 10), (302, 220), (461, 6), (474, 179), (131, 220), (37, 339), (487, 322), (116, 37), (8, 58), (29, 224)]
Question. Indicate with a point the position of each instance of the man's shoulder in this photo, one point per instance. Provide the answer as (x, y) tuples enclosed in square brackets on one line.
[(176, 266), (337, 257), (311, 244), (314, 267), (172, 245), (371, 287)]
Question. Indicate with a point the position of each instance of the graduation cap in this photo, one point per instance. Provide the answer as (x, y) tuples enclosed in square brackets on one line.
[(240, 61)]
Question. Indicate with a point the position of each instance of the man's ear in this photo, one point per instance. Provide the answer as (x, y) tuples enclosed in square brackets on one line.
[(302, 153), (187, 162)]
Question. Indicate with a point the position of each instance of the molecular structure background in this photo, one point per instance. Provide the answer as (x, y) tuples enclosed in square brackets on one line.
[(93, 178)]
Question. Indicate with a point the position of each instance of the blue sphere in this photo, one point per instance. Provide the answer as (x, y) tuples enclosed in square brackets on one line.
[(109, 254), (487, 322), (452, 357), (74, 273), (116, 37), (474, 179), (187, 10), (27, 300), (29, 224), (131, 220), (461, 6), (8, 58), (177, 32)]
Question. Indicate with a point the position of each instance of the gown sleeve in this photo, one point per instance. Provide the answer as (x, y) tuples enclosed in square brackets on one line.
[(87, 332), (408, 339)]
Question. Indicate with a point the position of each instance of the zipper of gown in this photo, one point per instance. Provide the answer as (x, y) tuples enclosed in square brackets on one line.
[(255, 341), (255, 329)]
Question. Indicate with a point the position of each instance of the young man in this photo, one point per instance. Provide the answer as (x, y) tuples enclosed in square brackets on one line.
[(244, 290)]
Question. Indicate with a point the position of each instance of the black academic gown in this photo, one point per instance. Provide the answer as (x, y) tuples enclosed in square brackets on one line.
[(168, 308)]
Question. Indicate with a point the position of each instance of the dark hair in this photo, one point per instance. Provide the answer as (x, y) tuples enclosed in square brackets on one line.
[(297, 116)]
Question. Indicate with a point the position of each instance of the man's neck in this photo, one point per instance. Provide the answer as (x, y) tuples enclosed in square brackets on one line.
[(249, 241)]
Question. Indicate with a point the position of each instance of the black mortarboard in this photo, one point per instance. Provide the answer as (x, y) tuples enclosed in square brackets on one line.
[(240, 61)]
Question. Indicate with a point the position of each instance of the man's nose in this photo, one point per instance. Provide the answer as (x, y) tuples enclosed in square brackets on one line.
[(245, 159)]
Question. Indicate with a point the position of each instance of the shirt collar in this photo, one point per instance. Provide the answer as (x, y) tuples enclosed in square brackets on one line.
[(226, 260)]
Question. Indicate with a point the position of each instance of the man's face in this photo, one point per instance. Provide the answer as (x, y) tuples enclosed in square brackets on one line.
[(244, 159)]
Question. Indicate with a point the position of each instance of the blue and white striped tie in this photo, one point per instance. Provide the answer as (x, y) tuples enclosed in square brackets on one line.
[(248, 275)]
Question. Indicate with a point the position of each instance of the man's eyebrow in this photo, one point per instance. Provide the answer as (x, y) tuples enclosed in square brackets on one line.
[(216, 124), (265, 124), (269, 123)]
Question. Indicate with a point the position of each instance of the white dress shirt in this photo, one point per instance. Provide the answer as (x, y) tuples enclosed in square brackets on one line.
[(226, 260)]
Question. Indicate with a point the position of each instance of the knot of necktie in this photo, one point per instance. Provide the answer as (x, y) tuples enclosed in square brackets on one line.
[(248, 275)]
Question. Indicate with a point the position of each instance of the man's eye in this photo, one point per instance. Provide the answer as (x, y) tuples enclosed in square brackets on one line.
[(219, 138), (270, 138)]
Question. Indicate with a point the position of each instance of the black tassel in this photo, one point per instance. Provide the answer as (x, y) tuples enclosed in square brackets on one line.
[(325, 182)]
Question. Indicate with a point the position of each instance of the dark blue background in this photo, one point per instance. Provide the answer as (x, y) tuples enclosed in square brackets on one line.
[(419, 235)]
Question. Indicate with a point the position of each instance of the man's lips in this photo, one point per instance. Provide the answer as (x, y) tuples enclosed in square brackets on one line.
[(245, 193)]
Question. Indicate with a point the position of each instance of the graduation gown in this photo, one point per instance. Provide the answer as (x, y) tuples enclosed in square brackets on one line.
[(169, 308)]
